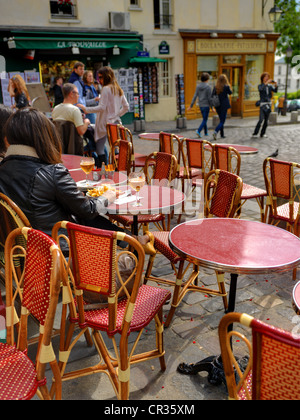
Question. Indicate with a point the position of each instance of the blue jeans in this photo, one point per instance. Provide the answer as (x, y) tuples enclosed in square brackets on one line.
[(205, 113), (222, 116)]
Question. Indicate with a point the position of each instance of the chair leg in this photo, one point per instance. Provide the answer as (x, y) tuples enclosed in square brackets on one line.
[(176, 300), (159, 339), (149, 268), (221, 284)]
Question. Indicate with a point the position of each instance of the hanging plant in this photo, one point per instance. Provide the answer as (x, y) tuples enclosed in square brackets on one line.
[(65, 6)]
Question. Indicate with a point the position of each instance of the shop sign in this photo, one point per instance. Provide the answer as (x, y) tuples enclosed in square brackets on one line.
[(83, 44), (226, 46), (143, 54), (164, 48)]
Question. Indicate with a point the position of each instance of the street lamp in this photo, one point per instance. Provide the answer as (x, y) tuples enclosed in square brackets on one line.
[(289, 53), (275, 14)]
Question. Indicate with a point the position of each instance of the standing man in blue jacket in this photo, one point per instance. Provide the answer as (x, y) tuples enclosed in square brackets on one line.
[(76, 79)]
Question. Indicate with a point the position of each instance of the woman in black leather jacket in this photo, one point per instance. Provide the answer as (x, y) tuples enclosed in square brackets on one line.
[(33, 176)]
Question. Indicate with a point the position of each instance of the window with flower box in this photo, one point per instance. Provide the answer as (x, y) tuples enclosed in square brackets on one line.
[(63, 8)]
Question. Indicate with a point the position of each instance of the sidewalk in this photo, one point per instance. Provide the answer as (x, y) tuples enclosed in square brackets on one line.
[(232, 122), (193, 334)]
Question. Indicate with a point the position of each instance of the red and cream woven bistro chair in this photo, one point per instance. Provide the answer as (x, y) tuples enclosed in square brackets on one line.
[(138, 160), (20, 377), (198, 158), (160, 168), (274, 363), (229, 159), (222, 197), (126, 306), (112, 135), (11, 217), (282, 181), (122, 161)]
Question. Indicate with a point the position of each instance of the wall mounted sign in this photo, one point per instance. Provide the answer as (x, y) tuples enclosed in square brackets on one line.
[(164, 48), (231, 46)]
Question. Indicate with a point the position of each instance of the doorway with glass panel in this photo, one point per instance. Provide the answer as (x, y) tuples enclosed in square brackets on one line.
[(235, 78)]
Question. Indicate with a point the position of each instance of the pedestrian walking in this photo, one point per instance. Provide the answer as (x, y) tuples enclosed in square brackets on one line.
[(280, 104), (265, 89), (17, 89), (222, 90), (112, 106), (203, 94)]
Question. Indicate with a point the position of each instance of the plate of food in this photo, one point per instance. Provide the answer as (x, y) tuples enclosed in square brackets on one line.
[(101, 189)]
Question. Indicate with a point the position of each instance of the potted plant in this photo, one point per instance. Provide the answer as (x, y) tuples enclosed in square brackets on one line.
[(65, 6)]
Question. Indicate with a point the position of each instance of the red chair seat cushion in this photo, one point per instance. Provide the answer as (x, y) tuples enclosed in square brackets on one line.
[(161, 244), (252, 192), (17, 374), (194, 171), (283, 212), (142, 218), (248, 384), (149, 300)]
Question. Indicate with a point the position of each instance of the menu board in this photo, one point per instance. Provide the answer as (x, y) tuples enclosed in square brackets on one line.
[(125, 78)]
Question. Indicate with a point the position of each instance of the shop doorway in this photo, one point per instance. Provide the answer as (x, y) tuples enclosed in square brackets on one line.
[(235, 78)]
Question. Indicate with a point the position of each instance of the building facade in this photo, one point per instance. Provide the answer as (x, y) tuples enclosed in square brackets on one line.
[(160, 38), (280, 73)]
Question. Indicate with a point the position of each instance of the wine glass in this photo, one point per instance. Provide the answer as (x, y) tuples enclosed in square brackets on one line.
[(137, 181), (87, 165)]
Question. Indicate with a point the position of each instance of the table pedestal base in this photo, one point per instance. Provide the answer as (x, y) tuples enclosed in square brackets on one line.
[(212, 365)]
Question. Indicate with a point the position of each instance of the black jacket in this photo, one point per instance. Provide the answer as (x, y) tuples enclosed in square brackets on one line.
[(266, 92), (46, 193)]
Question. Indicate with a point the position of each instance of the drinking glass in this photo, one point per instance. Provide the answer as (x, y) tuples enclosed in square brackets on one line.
[(137, 181), (87, 165)]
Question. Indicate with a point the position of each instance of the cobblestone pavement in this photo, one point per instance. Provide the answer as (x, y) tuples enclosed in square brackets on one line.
[(193, 334)]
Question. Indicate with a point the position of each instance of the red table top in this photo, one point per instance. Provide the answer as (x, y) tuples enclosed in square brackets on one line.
[(154, 199), (153, 136), (119, 178), (71, 162), (236, 246), (296, 296), (243, 150)]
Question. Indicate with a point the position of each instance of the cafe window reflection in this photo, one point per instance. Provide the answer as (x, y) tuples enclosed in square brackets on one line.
[(254, 69)]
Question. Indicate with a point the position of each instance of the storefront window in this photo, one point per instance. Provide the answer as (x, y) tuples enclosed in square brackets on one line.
[(254, 69), (232, 59), (210, 65), (165, 79)]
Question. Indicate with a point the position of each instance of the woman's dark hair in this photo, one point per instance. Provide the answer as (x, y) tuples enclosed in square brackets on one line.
[(29, 127), (263, 75), (109, 78), (5, 113)]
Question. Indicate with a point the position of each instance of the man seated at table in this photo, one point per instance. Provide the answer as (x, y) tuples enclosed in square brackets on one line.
[(67, 111)]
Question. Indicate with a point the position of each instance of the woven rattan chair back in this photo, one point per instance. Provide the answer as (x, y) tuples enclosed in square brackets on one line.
[(123, 159), (41, 275), (198, 155), (226, 158), (273, 369), (11, 217), (163, 171), (282, 184), (222, 193)]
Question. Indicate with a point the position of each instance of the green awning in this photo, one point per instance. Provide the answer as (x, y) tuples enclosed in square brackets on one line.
[(84, 41), (146, 60)]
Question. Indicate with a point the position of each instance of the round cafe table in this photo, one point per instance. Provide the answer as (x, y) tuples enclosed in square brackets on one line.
[(154, 199), (296, 298), (152, 136), (72, 163), (237, 247), (242, 149)]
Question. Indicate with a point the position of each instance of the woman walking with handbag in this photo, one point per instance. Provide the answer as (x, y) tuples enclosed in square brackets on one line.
[(203, 93), (221, 90)]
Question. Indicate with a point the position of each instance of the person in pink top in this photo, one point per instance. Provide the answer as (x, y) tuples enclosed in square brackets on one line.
[(112, 106)]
